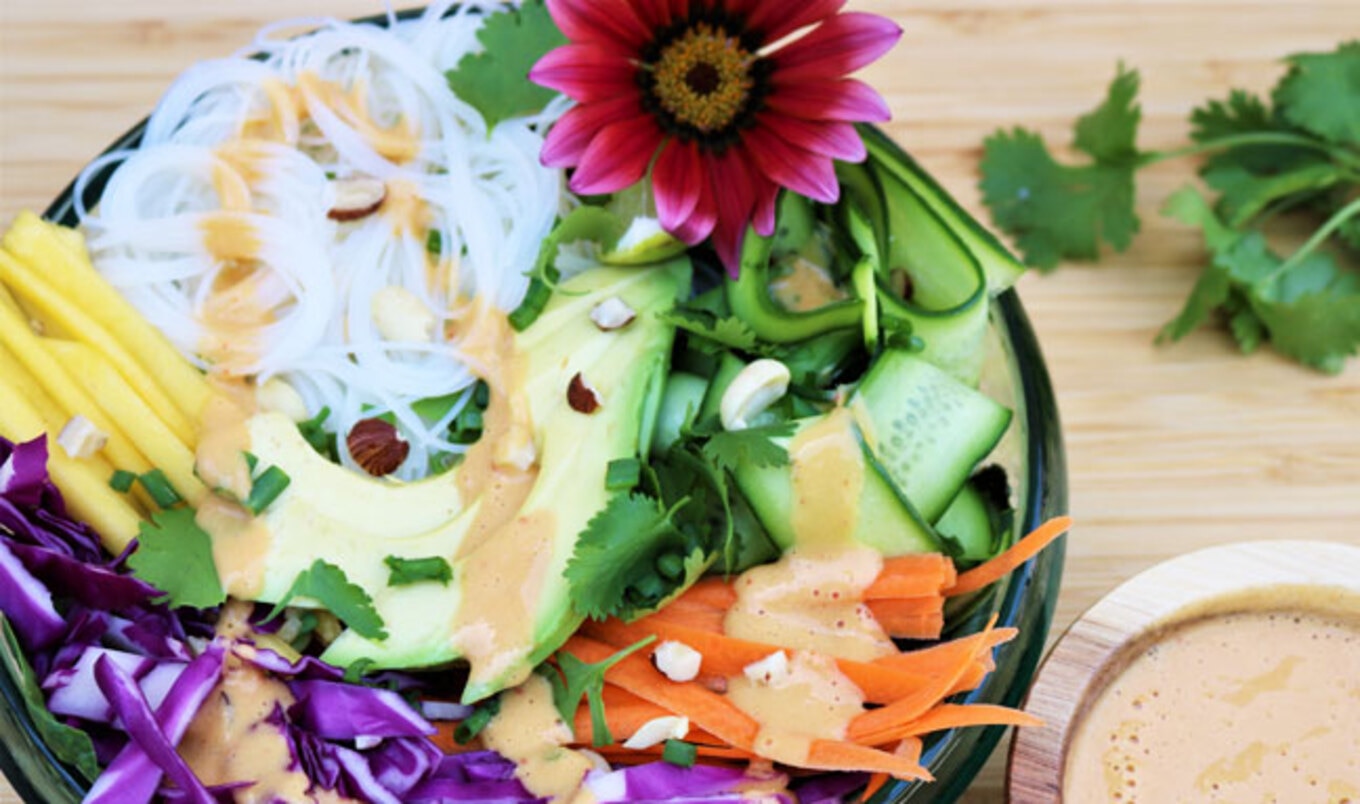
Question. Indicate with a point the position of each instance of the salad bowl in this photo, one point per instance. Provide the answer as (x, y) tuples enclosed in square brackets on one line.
[(1031, 453)]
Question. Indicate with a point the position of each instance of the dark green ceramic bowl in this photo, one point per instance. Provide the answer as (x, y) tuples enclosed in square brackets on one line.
[(1032, 453)]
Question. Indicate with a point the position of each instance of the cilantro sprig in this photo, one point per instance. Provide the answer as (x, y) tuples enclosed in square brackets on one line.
[(1296, 153), (175, 555), (495, 80), (579, 679), (328, 585)]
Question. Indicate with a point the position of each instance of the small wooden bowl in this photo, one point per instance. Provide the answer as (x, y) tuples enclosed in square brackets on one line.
[(1254, 576)]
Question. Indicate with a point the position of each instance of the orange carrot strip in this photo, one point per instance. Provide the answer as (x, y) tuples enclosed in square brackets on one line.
[(693, 614), (910, 748), (727, 656), (876, 782), (948, 655), (912, 576), (707, 710), (833, 755), (1020, 552), (871, 727), (625, 713), (910, 624), (953, 716), (443, 736), (714, 592)]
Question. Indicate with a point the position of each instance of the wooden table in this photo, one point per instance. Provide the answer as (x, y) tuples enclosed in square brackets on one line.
[(1169, 448)]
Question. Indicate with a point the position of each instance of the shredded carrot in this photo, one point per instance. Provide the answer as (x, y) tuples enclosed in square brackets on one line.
[(693, 613), (875, 726), (909, 624), (727, 656), (912, 576), (952, 716), (1020, 552), (940, 658), (706, 709), (876, 783), (714, 592), (834, 755), (625, 713)]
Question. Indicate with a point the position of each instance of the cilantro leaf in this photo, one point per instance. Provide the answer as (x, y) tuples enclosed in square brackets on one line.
[(408, 571), (1109, 132), (725, 331), (495, 81), (328, 585), (175, 555), (613, 571), (1319, 93), (1307, 307), (754, 446), (1054, 211), (581, 679)]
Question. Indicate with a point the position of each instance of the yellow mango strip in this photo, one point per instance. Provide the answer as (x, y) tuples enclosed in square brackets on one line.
[(87, 494), (27, 282), (32, 391), (7, 300), (16, 335), (151, 436), (44, 244)]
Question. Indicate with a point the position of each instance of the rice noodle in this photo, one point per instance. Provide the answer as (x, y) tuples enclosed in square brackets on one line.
[(255, 143)]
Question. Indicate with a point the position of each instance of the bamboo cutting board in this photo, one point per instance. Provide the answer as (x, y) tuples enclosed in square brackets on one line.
[(1169, 449)]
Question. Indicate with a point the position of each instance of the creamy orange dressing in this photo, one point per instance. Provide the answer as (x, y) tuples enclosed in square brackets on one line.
[(805, 287), (811, 602), (828, 478), (529, 731), (399, 143), (229, 740), (1258, 706), (283, 120), (405, 209), (814, 702)]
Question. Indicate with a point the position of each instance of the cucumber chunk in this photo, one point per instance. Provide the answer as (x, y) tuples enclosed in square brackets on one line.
[(926, 428), (885, 522)]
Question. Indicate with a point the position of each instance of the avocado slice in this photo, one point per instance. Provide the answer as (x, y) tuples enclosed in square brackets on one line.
[(508, 606)]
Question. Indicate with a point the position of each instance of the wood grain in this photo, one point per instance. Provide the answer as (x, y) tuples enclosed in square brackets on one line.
[(1169, 448)]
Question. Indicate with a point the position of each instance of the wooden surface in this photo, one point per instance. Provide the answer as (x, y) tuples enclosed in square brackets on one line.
[(1168, 448)]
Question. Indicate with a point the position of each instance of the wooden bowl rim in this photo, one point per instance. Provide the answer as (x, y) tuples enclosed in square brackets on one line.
[(1247, 576)]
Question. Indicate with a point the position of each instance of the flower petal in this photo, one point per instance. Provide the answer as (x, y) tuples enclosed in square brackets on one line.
[(678, 181), (571, 134), (799, 170), (617, 157), (839, 46), (847, 100), (599, 21), (657, 14), (774, 20), (734, 190), (836, 140), (584, 73), (767, 201)]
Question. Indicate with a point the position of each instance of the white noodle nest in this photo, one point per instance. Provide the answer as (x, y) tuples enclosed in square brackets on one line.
[(488, 198)]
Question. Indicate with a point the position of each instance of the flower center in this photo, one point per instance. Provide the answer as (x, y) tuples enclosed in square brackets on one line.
[(704, 78)]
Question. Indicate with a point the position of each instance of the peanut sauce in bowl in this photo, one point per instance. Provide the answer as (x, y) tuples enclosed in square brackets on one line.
[(1229, 674)]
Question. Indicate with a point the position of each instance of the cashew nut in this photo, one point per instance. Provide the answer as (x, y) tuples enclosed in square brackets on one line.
[(758, 386), (400, 315)]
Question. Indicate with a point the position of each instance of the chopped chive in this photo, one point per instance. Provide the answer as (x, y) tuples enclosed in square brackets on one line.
[(671, 566), (266, 489), (158, 486), (623, 474), (680, 753), (122, 480), (434, 242), (473, 724), (251, 461)]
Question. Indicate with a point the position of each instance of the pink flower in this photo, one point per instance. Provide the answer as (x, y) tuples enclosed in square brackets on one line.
[(717, 100)]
